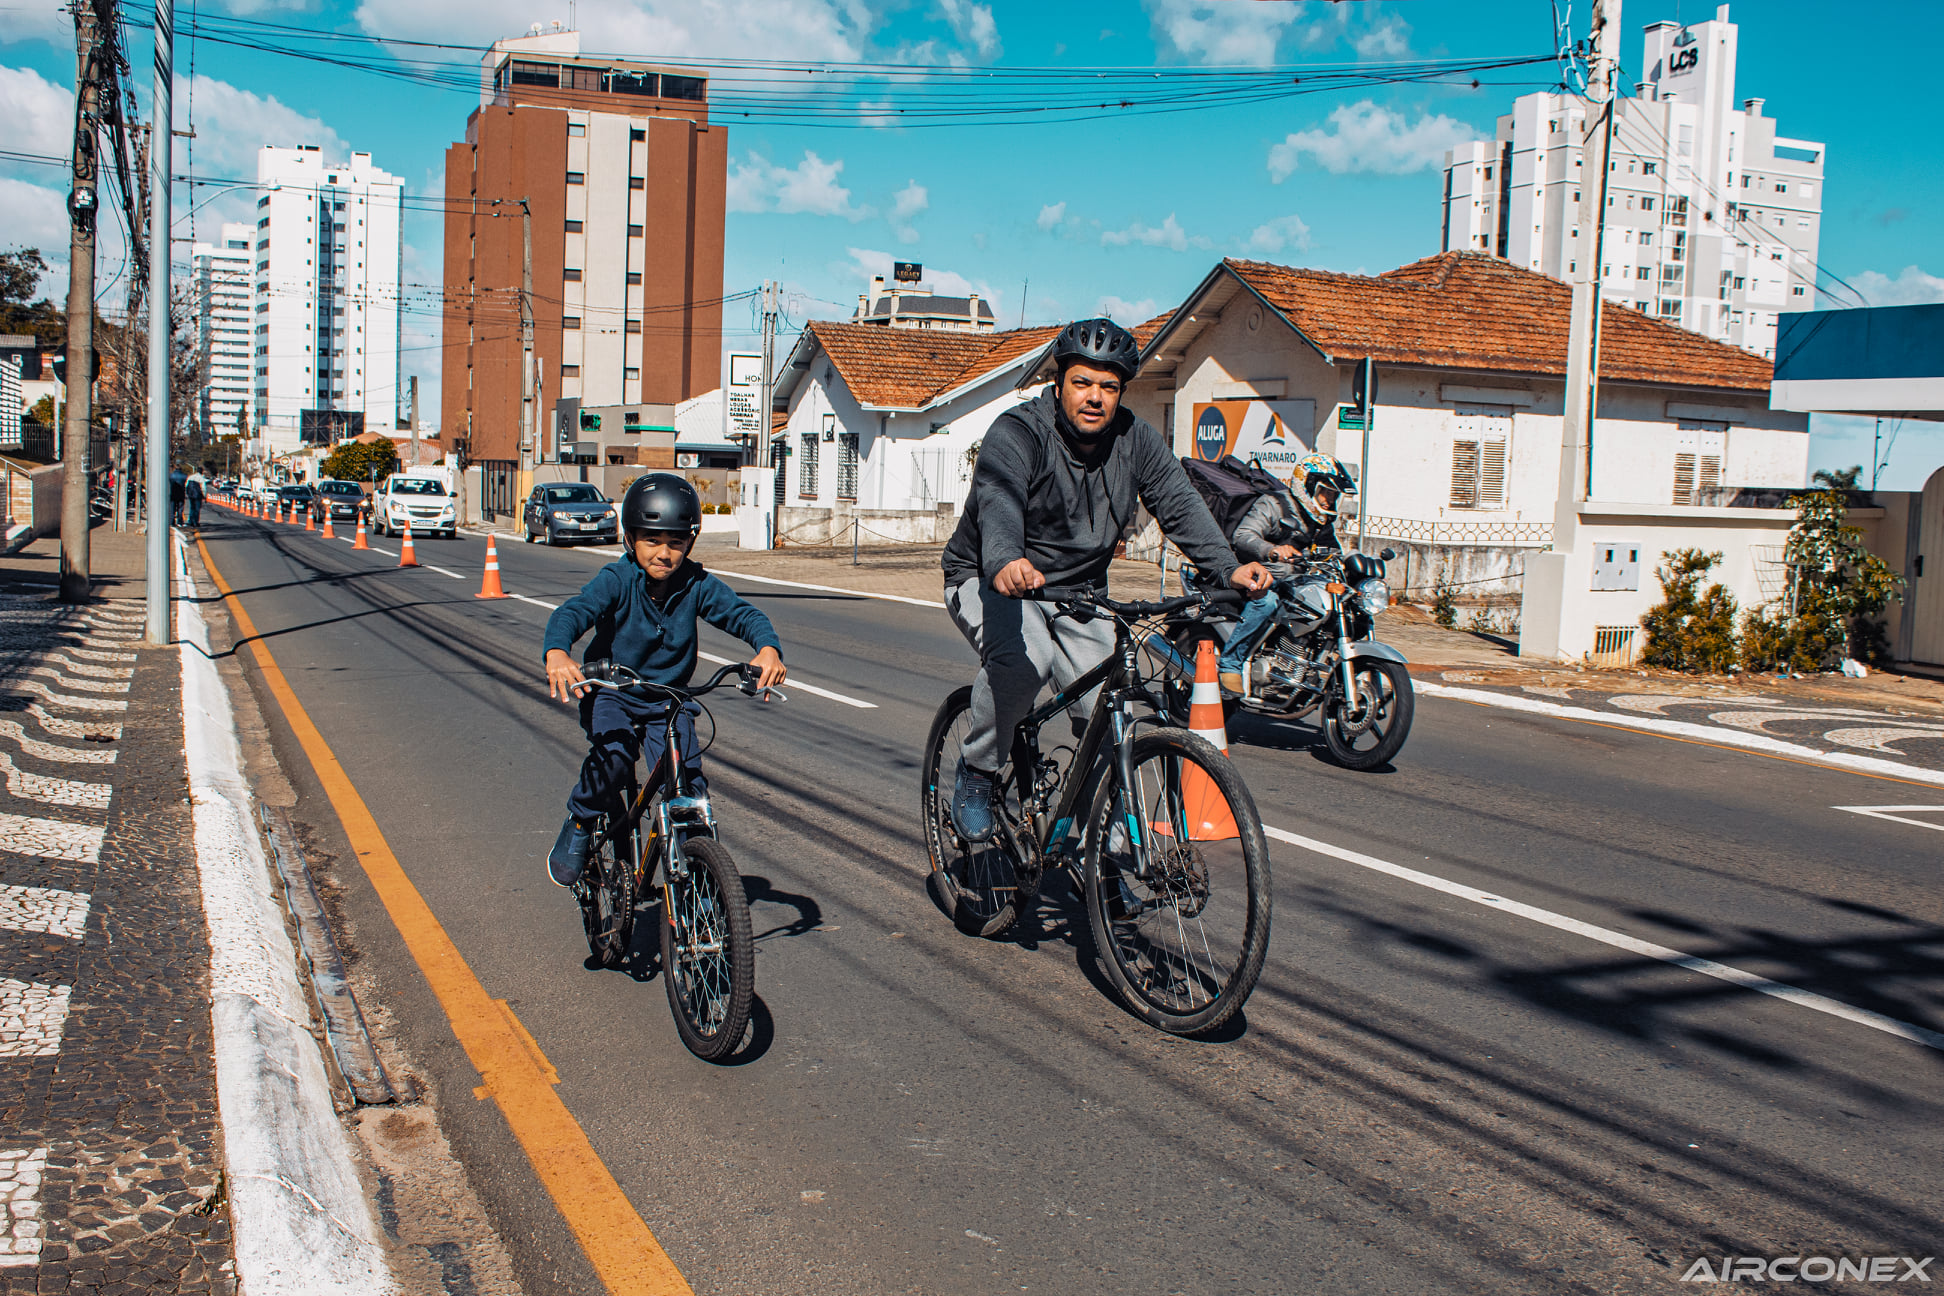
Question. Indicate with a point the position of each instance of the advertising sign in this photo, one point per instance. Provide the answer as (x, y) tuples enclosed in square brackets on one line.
[(742, 397), (1276, 432)]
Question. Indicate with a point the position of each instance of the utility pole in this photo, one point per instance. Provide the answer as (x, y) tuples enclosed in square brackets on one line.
[(527, 423), (157, 584), (763, 447), (125, 458), (83, 200), (414, 417)]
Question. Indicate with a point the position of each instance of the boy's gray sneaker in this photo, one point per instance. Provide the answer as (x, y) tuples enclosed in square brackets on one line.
[(568, 859), (972, 804)]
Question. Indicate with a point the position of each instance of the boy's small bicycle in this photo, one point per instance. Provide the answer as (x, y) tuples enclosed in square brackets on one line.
[(708, 957)]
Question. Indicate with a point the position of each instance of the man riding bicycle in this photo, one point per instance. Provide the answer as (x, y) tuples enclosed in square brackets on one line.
[(1054, 491), (1279, 526)]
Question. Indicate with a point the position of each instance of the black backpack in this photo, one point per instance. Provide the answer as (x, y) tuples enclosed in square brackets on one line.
[(1228, 486)]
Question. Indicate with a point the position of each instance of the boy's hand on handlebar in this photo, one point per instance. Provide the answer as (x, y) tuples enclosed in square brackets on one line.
[(562, 675), (1285, 553), (770, 666), (1250, 578), (1018, 577)]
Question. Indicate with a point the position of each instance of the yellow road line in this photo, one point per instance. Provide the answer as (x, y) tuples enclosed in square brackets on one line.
[(518, 1076)]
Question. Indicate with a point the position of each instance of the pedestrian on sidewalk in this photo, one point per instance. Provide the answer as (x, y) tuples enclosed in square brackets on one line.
[(193, 491), (178, 495)]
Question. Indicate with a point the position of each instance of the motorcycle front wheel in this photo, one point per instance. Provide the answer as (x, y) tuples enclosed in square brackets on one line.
[(1370, 732)]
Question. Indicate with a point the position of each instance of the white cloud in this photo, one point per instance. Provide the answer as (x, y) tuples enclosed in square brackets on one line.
[(1365, 137), (37, 217), (47, 20), (811, 30), (973, 24), (810, 187), (1390, 39), (1051, 215), (905, 204), (1167, 234), (1283, 232), (1124, 311), (1910, 288), (38, 113), (1221, 32)]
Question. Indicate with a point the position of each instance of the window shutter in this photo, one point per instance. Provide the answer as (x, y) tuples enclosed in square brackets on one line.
[(1684, 478), (1707, 478), (1464, 474), (1491, 474)]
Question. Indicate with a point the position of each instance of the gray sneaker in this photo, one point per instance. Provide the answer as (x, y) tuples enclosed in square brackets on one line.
[(568, 859), (972, 804)]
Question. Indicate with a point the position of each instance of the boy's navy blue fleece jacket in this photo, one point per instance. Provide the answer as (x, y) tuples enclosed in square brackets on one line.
[(657, 642)]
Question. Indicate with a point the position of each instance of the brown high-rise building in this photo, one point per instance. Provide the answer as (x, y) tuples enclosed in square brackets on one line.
[(625, 180)]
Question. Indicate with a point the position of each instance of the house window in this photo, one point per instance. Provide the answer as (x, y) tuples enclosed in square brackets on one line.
[(1641, 272), (631, 375), (634, 326), (847, 465), (569, 371), (1797, 290), (1648, 168), (634, 276), (1479, 452), (1698, 448), (807, 467), (575, 130), (573, 227), (1780, 187), (576, 177), (636, 182), (570, 321)]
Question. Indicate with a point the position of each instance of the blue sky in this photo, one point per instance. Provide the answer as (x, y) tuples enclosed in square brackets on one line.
[(1120, 215)]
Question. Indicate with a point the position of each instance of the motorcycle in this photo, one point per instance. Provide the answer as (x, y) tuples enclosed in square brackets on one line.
[(1319, 655)]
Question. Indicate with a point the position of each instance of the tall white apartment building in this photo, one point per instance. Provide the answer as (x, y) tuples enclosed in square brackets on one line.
[(223, 331), (325, 297), (1713, 219)]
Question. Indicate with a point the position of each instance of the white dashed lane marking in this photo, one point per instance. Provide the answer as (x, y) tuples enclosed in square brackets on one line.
[(44, 909), (51, 839), (20, 1214), (32, 1016), (1902, 814)]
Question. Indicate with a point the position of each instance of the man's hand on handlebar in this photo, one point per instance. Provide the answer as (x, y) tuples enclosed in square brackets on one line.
[(1285, 553), (1018, 577), (1250, 578), (563, 677), (770, 668)]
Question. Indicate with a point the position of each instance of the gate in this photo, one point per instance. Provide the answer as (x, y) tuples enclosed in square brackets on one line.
[(1927, 591), (496, 495)]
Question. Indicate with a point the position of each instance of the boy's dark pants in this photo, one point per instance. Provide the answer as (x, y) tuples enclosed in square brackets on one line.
[(609, 719)]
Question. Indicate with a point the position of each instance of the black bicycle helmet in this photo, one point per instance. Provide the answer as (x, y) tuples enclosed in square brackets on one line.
[(661, 502), (1098, 342)]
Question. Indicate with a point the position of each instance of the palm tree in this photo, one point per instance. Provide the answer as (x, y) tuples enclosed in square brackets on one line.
[(1843, 479)]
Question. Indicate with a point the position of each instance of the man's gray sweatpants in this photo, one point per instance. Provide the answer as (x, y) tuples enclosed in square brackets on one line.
[(1021, 647)]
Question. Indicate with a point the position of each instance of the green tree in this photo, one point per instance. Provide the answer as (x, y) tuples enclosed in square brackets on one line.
[(1844, 479), (361, 461), (1838, 590), (1691, 629), (44, 412), (20, 277)]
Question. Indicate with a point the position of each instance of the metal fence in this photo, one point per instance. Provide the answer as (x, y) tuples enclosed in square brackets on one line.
[(498, 487)]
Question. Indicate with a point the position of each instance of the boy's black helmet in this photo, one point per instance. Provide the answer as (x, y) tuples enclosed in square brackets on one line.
[(661, 502), (1098, 342)]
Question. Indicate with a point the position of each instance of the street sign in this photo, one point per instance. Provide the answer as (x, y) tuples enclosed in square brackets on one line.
[(742, 397)]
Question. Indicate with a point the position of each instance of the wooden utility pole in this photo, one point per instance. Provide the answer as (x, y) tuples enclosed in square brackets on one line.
[(125, 457), (83, 200), (157, 629)]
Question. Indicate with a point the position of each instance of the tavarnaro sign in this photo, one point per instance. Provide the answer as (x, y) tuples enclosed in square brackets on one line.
[(1276, 432)]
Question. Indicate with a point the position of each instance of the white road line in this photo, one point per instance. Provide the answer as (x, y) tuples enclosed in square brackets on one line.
[(31, 1018), (51, 839), (536, 602), (1889, 812), (54, 751), (20, 1182), (442, 571), (44, 909), (1682, 729), (830, 589), (389, 553), (794, 683), (1620, 940), (53, 791)]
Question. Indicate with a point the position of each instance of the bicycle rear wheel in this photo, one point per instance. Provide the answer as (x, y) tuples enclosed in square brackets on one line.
[(1177, 881), (708, 953), (977, 884), (606, 892)]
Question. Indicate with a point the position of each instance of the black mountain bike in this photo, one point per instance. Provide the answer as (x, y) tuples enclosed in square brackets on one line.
[(708, 957), (1173, 867)]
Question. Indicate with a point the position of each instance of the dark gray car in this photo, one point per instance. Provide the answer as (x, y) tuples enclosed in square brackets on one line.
[(561, 512)]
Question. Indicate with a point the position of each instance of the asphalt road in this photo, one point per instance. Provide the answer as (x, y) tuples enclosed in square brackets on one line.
[(1430, 1091)]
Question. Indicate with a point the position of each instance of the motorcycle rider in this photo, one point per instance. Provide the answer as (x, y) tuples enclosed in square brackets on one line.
[(1053, 492), (1279, 526)]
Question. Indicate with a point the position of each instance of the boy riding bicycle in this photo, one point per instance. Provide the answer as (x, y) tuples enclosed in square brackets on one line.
[(642, 609)]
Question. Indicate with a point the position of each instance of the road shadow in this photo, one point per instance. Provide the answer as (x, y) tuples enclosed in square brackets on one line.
[(757, 1038), (760, 891)]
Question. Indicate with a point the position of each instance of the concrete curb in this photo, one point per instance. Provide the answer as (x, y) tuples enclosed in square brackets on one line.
[(300, 1219), (1682, 729)]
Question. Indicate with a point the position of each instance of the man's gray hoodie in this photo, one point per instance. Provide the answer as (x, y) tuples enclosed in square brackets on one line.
[(1035, 495)]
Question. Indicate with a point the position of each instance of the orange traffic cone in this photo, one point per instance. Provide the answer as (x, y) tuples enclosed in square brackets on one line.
[(326, 528), (489, 585), (359, 541), (406, 556), (308, 526), (1204, 807)]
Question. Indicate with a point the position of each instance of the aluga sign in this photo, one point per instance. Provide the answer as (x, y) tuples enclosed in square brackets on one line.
[(1876, 1269)]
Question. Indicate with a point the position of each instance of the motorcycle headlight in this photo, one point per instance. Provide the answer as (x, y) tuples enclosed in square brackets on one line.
[(1375, 595)]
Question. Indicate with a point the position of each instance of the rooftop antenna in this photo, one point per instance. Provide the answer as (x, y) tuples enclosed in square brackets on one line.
[(1023, 286)]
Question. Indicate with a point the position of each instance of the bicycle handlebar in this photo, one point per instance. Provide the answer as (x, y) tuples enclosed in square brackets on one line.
[(1088, 597), (604, 673)]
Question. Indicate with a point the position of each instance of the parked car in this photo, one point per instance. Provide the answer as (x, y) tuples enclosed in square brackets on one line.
[(565, 511), (421, 501), (294, 500), (341, 501)]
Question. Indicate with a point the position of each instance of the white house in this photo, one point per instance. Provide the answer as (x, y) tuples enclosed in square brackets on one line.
[(1464, 448)]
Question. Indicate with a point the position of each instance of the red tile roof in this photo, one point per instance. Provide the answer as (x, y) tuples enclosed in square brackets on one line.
[(1470, 310)]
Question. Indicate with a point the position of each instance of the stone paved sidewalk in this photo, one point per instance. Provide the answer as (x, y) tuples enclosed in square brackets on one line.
[(109, 1158)]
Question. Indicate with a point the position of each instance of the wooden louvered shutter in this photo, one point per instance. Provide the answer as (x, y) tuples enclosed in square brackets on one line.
[(1684, 478), (1464, 474), (1491, 473), (1707, 478)]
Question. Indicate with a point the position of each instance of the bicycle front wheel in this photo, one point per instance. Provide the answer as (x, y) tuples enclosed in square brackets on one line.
[(708, 953), (976, 883), (1177, 880)]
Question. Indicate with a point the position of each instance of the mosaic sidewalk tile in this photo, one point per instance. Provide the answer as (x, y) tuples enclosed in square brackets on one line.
[(43, 909), (50, 838), (29, 786), (31, 1018)]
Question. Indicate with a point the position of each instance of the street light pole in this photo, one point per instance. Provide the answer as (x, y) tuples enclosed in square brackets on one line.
[(157, 630)]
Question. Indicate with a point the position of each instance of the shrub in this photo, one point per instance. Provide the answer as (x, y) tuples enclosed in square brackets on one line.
[(1691, 629), (1444, 605)]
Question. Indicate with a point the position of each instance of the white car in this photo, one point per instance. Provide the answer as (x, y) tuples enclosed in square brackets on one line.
[(421, 502)]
